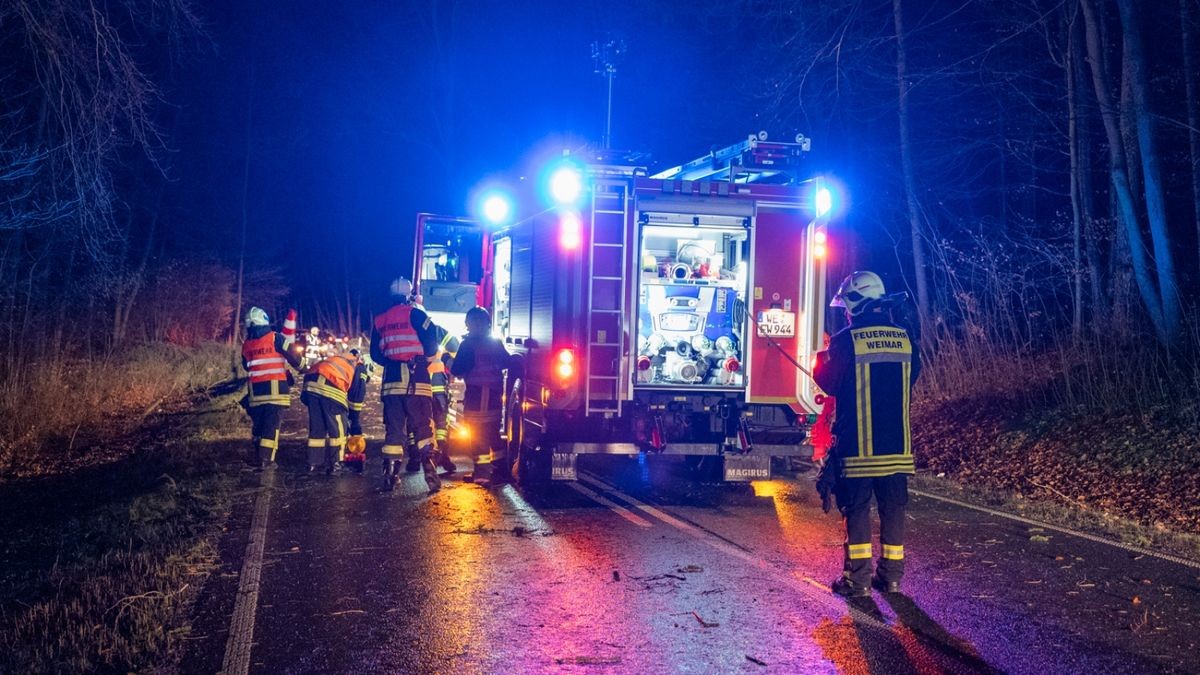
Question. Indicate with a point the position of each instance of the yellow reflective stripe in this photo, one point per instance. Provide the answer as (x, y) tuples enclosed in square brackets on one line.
[(316, 442), (281, 399), (870, 424), (275, 445), (269, 442), (893, 552), (356, 406), (341, 434), (859, 551), (907, 376), (393, 450), (319, 389), (859, 413), (403, 389)]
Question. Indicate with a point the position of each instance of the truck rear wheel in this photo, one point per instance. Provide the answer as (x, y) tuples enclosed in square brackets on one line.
[(531, 466)]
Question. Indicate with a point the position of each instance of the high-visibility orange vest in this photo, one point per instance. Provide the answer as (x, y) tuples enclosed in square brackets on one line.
[(338, 371), (397, 338), (263, 362)]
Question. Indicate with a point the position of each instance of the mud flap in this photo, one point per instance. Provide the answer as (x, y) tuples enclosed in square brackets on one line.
[(745, 468), (562, 466)]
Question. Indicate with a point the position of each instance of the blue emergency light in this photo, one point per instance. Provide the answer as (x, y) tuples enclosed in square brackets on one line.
[(496, 208)]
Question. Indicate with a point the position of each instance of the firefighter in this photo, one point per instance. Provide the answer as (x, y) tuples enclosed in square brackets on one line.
[(326, 387), (403, 338), (481, 362), (439, 377), (265, 356), (356, 444), (869, 368)]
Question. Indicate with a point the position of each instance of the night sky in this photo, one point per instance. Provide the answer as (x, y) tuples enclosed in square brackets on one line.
[(363, 114)]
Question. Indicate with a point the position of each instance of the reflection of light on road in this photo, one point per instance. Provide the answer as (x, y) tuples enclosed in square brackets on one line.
[(531, 520), (457, 567), (765, 488)]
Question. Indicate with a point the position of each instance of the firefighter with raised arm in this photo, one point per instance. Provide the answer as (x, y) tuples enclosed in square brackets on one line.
[(266, 357), (403, 339), (481, 362), (439, 377), (869, 369), (326, 388)]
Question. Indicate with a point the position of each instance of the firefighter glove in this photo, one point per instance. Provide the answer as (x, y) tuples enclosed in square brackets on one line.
[(827, 477)]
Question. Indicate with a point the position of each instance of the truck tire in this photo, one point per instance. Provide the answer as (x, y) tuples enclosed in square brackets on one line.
[(531, 466)]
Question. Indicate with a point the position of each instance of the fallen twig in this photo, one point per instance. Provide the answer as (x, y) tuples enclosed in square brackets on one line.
[(704, 623)]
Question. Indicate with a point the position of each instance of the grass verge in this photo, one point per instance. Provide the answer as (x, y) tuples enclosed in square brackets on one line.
[(1091, 521), (102, 563)]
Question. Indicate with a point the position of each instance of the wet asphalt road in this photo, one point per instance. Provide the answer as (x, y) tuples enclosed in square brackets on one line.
[(637, 568)]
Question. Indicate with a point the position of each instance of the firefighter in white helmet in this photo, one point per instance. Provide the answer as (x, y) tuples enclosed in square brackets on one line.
[(266, 357), (403, 339), (869, 369)]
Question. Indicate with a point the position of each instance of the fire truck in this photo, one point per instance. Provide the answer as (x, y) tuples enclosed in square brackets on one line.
[(676, 313)]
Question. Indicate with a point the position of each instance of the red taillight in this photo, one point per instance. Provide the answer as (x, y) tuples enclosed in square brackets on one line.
[(570, 231), (732, 365), (820, 250), (643, 363), (564, 364)]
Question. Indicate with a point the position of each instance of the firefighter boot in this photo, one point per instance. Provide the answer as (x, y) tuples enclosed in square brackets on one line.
[(389, 475), (432, 480), (444, 461), (879, 584), (501, 471), (414, 461), (848, 589)]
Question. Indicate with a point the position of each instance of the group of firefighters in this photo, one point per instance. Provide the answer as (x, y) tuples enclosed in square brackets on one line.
[(869, 366), (418, 358)]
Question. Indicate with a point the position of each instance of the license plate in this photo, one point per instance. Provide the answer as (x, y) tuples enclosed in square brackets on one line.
[(776, 323), (745, 468)]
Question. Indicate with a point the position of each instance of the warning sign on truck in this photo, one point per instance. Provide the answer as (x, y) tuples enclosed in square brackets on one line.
[(776, 323)]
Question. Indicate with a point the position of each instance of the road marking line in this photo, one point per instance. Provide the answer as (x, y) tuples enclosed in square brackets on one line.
[(241, 625), (620, 510), (801, 583), (1058, 528)]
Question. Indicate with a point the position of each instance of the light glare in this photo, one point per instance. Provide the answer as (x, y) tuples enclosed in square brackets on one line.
[(824, 201), (565, 185)]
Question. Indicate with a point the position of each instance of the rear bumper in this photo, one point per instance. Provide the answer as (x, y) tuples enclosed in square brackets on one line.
[(711, 449)]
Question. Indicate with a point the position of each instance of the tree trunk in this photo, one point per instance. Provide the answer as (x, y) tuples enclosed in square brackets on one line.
[(1156, 204), (906, 167), (1118, 173), (1193, 109), (1076, 192), (241, 274)]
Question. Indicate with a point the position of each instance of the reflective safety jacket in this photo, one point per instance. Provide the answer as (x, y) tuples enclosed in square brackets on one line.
[(264, 360), (870, 368), (481, 362), (402, 339), (358, 388), (331, 379), (398, 341), (438, 366)]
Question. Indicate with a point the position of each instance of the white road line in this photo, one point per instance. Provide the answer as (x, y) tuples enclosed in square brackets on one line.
[(241, 625), (620, 510)]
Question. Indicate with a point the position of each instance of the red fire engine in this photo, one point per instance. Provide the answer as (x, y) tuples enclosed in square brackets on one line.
[(674, 313)]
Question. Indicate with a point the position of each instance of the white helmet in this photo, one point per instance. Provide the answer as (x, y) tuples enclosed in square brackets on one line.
[(857, 290), (314, 331), (257, 317), (401, 288)]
